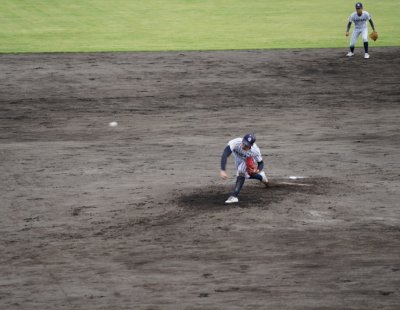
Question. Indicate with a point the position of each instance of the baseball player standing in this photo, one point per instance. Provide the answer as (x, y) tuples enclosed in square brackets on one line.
[(359, 18), (243, 150)]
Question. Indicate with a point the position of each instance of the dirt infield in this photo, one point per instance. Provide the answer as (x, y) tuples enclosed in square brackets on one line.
[(133, 216)]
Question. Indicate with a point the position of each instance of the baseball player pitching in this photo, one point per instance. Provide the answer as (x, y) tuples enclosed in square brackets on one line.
[(248, 161), (359, 18)]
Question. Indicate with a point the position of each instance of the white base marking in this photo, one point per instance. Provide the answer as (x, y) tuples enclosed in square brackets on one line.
[(294, 184)]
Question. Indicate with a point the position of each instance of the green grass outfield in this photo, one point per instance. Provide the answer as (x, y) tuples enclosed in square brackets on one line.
[(161, 25)]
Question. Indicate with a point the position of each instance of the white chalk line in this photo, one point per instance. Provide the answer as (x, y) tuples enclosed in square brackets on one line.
[(294, 184)]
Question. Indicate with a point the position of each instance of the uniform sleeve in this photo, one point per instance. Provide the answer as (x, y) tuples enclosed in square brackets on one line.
[(369, 16), (350, 18), (227, 152), (258, 156), (232, 144), (372, 24), (348, 26)]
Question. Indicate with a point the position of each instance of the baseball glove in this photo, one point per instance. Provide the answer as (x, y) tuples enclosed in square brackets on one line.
[(251, 166), (374, 35)]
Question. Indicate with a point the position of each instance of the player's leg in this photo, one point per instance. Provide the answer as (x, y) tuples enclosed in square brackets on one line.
[(261, 177), (238, 186), (233, 198), (365, 41), (353, 41), (240, 178)]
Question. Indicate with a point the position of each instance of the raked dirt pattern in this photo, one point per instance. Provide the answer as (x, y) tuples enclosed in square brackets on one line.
[(133, 216)]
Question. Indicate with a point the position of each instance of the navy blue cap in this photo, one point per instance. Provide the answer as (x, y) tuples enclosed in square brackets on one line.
[(359, 5), (249, 139)]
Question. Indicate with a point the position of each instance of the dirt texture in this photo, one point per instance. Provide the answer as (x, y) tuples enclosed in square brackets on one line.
[(133, 216)]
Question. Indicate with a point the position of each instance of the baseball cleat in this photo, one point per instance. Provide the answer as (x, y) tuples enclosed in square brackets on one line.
[(349, 54), (366, 55), (232, 199)]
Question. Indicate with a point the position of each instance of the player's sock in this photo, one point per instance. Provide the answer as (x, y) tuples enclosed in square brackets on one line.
[(239, 183), (366, 47), (352, 49)]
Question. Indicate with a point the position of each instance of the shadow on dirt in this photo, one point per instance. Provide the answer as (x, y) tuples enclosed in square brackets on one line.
[(253, 194), (212, 199)]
